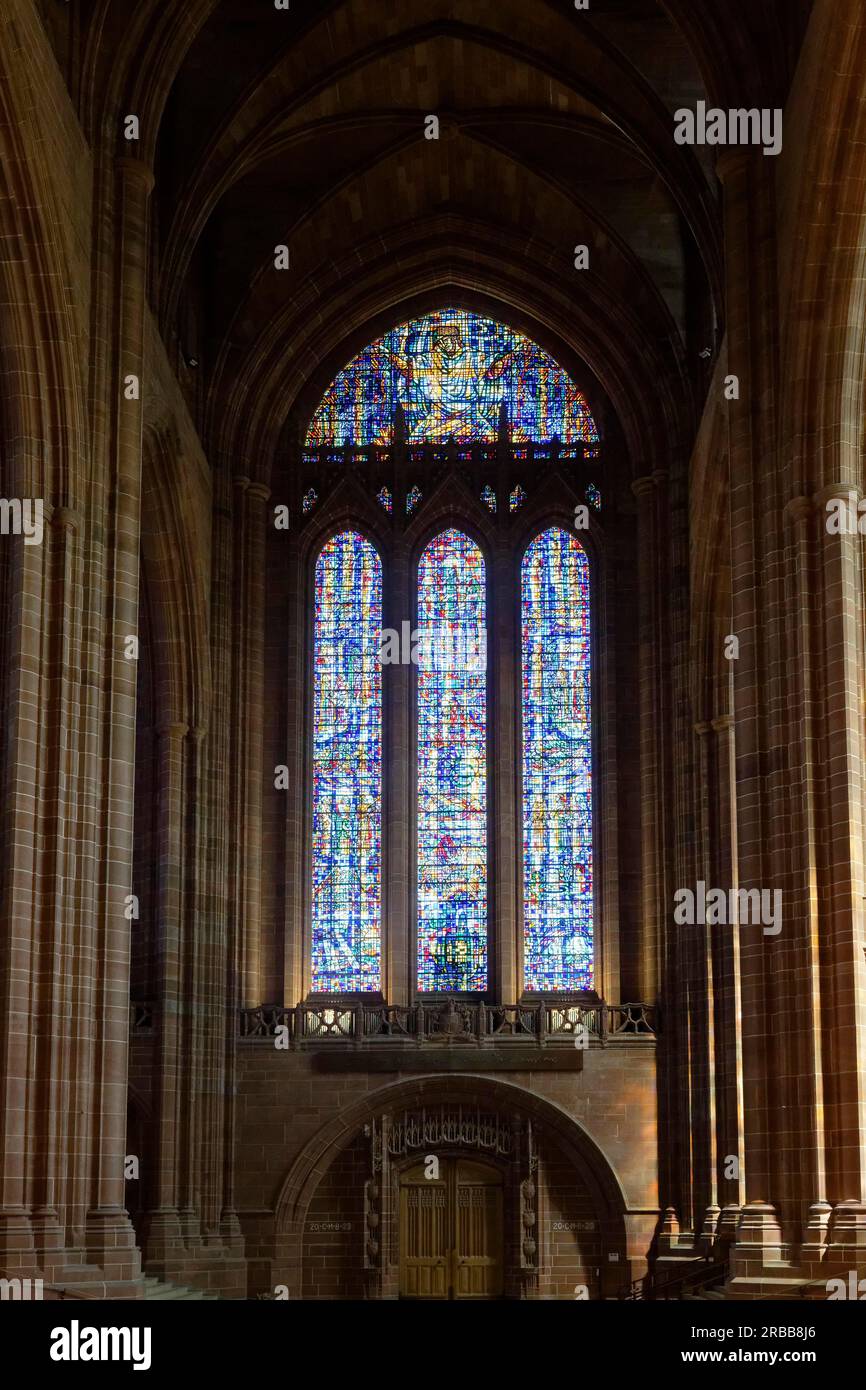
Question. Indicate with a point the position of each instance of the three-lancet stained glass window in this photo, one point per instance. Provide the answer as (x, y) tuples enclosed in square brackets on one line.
[(452, 766), (557, 765), (347, 767), (455, 375)]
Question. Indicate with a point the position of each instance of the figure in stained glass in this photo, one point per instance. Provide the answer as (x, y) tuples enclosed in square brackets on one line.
[(452, 372)]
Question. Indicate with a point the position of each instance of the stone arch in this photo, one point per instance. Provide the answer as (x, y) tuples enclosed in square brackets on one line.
[(824, 384), (645, 392), (41, 363), (176, 597), (334, 1137)]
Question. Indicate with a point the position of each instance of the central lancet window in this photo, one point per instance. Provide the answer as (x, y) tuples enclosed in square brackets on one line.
[(453, 378), (452, 766)]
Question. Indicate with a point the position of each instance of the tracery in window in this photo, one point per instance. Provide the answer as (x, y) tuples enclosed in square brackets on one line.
[(452, 372), (557, 765), (452, 766), (347, 767)]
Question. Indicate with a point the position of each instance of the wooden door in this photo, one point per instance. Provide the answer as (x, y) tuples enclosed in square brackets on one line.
[(451, 1232), (424, 1246), (478, 1271)]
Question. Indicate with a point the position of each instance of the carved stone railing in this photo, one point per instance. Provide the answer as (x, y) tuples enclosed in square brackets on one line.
[(445, 1022), (403, 467)]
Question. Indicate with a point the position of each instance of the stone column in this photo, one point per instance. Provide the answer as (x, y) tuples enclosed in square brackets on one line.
[(651, 803), (196, 1001), (298, 857), (399, 945), (19, 939), (222, 996), (110, 1239), (659, 946), (699, 952), (296, 945), (762, 701), (836, 1001), (251, 514), (164, 1240), (726, 954), (505, 980)]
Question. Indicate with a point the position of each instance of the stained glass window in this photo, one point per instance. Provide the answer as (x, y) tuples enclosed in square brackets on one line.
[(452, 766), (347, 767), (557, 765), (451, 371), (309, 500), (488, 497), (413, 497), (518, 497), (593, 496), (384, 497)]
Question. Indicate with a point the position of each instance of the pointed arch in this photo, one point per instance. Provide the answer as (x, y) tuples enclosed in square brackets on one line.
[(453, 374)]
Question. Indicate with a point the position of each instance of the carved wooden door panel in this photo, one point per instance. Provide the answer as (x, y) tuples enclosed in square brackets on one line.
[(424, 1242), (477, 1269), (451, 1232)]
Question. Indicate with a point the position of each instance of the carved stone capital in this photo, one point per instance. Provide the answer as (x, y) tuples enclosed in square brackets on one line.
[(799, 510), (136, 171), (172, 731)]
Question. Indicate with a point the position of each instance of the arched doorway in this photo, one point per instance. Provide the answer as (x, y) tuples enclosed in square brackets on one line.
[(341, 1216), (451, 1230)]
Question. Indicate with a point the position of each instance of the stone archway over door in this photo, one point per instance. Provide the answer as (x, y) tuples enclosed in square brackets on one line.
[(451, 1230), (564, 1217)]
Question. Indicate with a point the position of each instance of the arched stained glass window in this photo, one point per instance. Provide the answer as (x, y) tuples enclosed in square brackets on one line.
[(557, 765), (452, 766), (347, 767), (452, 372)]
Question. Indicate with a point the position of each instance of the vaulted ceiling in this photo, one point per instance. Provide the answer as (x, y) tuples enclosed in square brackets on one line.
[(306, 127)]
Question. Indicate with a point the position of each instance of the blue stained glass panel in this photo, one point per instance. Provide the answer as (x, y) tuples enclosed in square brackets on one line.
[(557, 765), (347, 767), (452, 766), (452, 372)]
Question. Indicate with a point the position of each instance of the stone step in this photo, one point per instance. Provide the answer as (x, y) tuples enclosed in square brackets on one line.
[(713, 1294), (158, 1290)]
